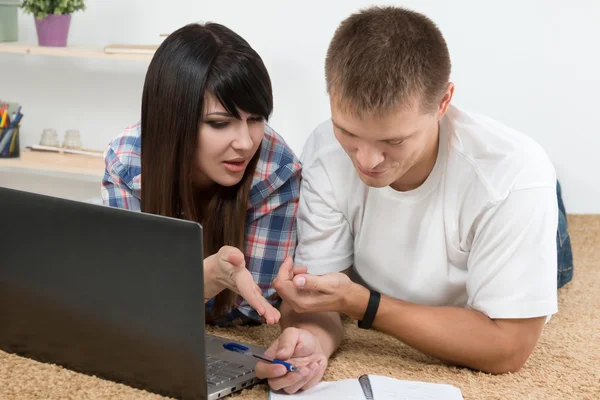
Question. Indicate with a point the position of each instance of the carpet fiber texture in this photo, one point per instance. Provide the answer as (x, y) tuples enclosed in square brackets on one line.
[(565, 364)]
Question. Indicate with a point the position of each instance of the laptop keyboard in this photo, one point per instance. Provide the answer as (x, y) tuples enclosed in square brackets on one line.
[(220, 371)]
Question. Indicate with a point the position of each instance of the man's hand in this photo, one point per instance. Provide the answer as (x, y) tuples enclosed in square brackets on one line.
[(310, 293), (303, 350), (308, 339)]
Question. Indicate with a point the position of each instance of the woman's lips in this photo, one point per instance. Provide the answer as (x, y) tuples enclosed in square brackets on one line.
[(235, 165)]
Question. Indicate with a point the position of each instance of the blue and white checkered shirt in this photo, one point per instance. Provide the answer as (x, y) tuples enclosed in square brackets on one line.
[(270, 224)]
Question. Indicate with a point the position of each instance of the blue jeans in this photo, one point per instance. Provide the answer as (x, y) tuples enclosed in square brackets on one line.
[(563, 244)]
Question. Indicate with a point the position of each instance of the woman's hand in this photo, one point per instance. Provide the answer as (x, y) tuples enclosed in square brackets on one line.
[(227, 270)]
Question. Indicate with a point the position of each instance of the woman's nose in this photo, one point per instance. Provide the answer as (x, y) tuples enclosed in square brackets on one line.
[(243, 140)]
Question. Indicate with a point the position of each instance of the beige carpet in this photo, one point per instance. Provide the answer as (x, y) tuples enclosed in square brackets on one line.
[(565, 365)]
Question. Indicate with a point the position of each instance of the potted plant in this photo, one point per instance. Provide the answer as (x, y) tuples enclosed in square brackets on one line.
[(52, 19)]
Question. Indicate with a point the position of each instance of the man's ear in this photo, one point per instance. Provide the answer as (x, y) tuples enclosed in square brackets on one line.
[(445, 102)]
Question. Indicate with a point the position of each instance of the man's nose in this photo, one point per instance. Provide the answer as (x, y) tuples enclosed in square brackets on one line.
[(369, 157)]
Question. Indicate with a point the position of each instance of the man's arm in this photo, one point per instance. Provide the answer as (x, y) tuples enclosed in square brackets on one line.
[(511, 285), (455, 335), (307, 340), (325, 244), (325, 326)]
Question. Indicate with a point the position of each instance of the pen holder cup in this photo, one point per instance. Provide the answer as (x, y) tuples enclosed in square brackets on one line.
[(9, 142)]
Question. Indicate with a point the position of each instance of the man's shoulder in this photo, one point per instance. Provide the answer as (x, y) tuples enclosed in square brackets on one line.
[(326, 168), (500, 158), (323, 147)]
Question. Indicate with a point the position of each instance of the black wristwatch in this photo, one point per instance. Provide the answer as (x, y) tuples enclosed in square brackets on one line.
[(372, 307)]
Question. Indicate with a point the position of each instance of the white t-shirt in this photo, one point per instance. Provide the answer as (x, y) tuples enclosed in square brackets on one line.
[(480, 232)]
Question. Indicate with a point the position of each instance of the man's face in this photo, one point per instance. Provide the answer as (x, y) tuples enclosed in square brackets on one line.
[(391, 149)]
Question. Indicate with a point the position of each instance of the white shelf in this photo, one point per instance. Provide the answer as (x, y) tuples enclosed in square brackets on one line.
[(72, 176), (50, 162), (69, 51)]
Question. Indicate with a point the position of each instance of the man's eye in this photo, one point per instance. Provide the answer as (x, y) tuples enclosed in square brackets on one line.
[(395, 142)]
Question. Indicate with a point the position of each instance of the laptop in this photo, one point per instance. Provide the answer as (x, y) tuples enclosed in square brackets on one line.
[(113, 293)]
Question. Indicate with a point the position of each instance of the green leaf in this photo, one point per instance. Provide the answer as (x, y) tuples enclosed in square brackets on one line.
[(42, 8)]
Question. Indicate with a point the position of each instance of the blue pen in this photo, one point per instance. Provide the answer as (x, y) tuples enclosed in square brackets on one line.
[(238, 348), (16, 119)]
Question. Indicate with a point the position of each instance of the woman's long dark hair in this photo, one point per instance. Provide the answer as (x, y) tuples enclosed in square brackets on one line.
[(191, 62)]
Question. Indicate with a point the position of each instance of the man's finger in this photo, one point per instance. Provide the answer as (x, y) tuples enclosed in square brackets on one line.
[(285, 270), (272, 350), (283, 283), (303, 360), (301, 343), (299, 270), (324, 283), (291, 378), (288, 340), (265, 370), (315, 378), (313, 369)]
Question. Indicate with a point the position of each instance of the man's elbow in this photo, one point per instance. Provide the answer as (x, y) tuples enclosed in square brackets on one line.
[(517, 340), (510, 361), (506, 366)]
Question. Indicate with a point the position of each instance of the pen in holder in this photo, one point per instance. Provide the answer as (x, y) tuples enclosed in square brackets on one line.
[(9, 142)]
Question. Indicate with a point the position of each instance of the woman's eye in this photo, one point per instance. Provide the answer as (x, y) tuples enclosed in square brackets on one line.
[(256, 119), (218, 124)]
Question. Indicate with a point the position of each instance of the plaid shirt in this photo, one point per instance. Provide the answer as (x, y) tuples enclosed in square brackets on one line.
[(270, 223)]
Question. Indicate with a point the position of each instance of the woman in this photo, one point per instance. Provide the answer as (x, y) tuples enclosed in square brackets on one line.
[(207, 155)]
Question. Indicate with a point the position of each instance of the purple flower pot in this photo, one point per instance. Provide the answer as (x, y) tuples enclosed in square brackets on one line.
[(53, 30)]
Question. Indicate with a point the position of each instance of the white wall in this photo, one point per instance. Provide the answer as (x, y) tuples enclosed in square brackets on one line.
[(534, 65)]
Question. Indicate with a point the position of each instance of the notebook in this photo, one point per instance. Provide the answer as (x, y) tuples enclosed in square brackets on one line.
[(383, 388)]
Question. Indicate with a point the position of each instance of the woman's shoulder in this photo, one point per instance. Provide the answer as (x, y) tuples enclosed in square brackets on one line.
[(126, 148), (277, 165), (275, 152), (123, 158)]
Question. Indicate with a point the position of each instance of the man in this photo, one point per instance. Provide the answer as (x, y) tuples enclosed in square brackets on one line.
[(447, 220)]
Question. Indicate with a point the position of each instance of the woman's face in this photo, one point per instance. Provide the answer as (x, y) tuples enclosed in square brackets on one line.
[(226, 144)]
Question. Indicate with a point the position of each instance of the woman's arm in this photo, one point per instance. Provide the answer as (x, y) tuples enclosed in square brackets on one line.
[(271, 237), (227, 270), (212, 286)]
